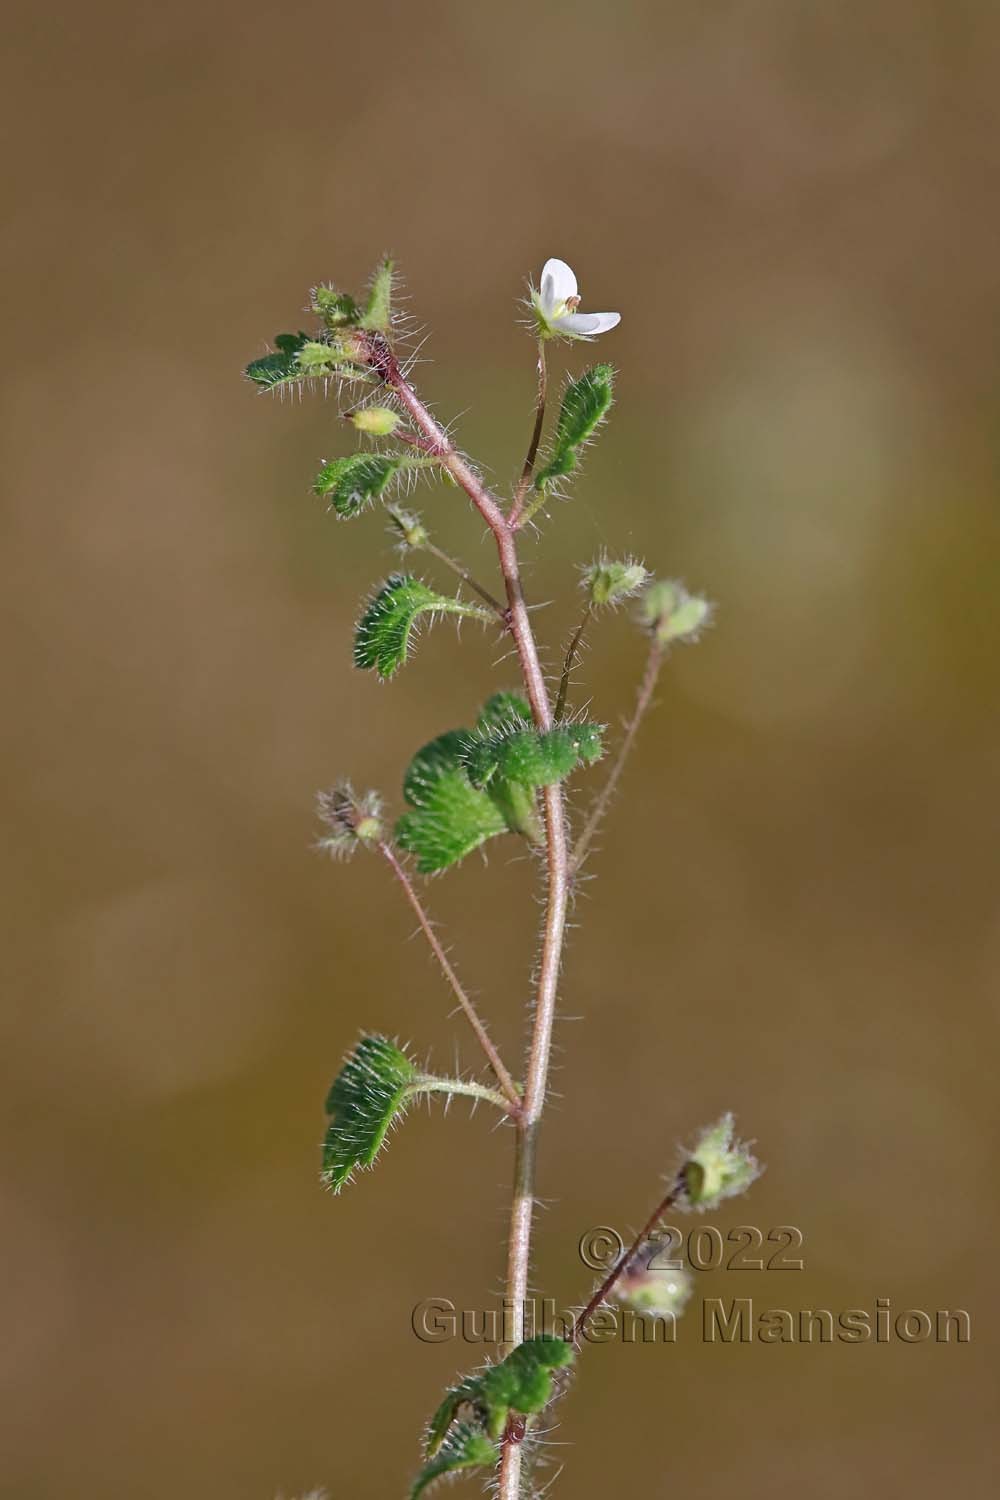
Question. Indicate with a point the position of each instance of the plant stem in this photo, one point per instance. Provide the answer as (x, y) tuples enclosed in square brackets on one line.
[(495, 1061), (621, 1264), (571, 651), (430, 1084), (654, 661), (557, 866), (536, 437)]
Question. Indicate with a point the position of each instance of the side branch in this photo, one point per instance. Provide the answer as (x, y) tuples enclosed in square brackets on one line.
[(536, 437), (621, 1265), (596, 815), (482, 1035)]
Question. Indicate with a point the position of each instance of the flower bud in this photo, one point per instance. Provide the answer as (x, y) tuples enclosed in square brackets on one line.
[(377, 421), (651, 1287), (719, 1167), (349, 819), (337, 309), (608, 581), (670, 613), (408, 527)]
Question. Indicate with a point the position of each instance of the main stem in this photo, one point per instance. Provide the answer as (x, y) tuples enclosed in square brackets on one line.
[(557, 882)]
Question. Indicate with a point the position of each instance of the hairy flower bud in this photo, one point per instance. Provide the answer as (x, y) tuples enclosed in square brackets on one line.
[(670, 613), (378, 421), (608, 581), (408, 526), (649, 1286), (719, 1167), (349, 819)]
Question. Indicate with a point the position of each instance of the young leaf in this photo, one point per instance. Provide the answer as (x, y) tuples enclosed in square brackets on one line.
[(369, 1092), (450, 817), (354, 482), (464, 1448), (520, 1383), (298, 358), (378, 312), (383, 635), (530, 757), (281, 366), (503, 708), (584, 407)]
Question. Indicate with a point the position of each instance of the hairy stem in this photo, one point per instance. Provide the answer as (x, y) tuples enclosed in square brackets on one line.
[(622, 1263), (647, 686), (557, 883), (472, 1015), (536, 437), (570, 659), (430, 1084)]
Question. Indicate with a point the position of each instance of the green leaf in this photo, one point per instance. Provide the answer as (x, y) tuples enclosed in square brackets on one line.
[(370, 1091), (378, 313), (450, 816), (298, 358), (584, 407), (464, 1448), (384, 632), (354, 482), (530, 757), (281, 366), (520, 1383), (503, 708)]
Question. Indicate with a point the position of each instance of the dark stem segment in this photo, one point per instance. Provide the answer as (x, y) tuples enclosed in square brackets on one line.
[(570, 659), (536, 438), (482, 1035), (643, 699), (621, 1265)]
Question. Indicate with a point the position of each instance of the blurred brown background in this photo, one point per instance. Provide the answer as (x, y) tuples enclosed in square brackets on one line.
[(795, 207)]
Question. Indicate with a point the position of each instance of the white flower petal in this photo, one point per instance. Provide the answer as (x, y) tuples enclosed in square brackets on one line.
[(586, 325), (558, 284)]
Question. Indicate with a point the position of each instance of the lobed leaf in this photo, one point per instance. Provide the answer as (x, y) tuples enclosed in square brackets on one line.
[(450, 816), (465, 1448), (369, 1092), (520, 1383), (385, 630), (282, 365), (354, 482), (530, 757), (584, 407)]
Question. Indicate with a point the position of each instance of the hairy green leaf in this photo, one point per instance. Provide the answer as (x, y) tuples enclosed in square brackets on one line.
[(464, 1448), (384, 632), (281, 366), (503, 708), (378, 312), (530, 757), (450, 816), (520, 1383), (369, 1092), (354, 482), (584, 407), (298, 358)]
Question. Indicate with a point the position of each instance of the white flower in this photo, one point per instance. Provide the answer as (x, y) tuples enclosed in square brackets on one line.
[(556, 303)]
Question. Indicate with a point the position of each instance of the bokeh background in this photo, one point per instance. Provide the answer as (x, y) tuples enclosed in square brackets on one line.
[(793, 912)]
